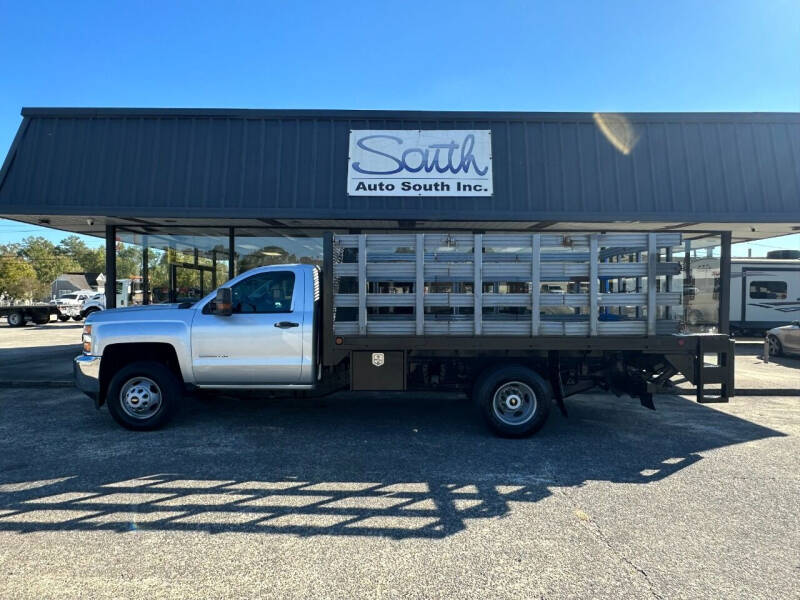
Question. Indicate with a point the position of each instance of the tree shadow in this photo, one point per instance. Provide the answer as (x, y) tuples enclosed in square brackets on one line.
[(370, 465)]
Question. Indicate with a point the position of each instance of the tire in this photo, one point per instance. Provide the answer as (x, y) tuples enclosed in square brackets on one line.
[(63, 318), (498, 388), (42, 320), (775, 346), (16, 319), (89, 311), (77, 318), (131, 391)]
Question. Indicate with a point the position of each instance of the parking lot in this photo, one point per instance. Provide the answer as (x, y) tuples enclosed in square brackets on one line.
[(389, 496)]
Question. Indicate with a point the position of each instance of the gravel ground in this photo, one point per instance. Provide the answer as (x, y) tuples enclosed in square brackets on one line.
[(384, 496)]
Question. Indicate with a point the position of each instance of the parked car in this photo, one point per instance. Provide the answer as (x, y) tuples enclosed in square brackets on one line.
[(784, 340)]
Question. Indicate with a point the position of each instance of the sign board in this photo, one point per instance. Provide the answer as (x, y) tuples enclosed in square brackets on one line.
[(420, 163)]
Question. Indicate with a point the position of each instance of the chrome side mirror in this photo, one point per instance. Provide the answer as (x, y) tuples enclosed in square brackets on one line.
[(222, 306)]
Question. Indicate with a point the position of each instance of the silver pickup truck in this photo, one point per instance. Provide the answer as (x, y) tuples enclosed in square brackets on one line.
[(415, 312)]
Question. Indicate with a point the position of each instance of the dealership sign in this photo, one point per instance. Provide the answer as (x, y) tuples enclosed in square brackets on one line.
[(420, 163)]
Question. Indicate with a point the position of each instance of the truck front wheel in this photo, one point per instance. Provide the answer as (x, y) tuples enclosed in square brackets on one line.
[(143, 395), (514, 400)]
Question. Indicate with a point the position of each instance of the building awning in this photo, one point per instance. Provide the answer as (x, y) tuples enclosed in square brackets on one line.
[(80, 169)]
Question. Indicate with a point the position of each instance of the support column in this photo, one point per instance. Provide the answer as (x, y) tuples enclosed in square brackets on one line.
[(231, 254), (111, 266), (725, 283), (668, 285), (145, 271)]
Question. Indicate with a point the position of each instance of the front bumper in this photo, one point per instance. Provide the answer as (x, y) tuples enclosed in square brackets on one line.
[(86, 372)]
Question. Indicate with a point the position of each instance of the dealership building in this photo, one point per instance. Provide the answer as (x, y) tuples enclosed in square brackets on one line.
[(187, 198)]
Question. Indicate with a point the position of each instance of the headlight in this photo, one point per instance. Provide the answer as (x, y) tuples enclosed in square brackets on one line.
[(87, 339)]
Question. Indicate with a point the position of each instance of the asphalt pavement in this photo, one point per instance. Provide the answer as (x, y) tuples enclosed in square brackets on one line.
[(383, 496)]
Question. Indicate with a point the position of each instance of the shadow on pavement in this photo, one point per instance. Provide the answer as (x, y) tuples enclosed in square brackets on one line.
[(354, 465)]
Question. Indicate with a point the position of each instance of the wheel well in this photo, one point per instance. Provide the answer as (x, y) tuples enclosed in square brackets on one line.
[(538, 366), (117, 356)]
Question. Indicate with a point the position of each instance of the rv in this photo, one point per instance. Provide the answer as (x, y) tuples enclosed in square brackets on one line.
[(765, 293)]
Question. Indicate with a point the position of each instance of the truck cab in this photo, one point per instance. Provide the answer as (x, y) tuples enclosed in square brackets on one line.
[(137, 358)]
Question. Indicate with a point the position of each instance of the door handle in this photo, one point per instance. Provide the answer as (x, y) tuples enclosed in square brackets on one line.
[(286, 324)]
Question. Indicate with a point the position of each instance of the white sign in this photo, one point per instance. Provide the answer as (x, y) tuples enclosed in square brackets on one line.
[(420, 163)]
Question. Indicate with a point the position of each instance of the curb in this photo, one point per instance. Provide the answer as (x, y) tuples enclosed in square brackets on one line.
[(36, 384), (745, 392)]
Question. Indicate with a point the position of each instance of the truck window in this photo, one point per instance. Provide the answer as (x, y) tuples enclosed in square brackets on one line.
[(768, 290), (264, 293)]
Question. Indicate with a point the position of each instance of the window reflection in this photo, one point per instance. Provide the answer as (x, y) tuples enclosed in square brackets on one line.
[(257, 250), (180, 267)]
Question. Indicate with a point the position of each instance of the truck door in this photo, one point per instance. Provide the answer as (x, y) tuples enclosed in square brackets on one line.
[(261, 342)]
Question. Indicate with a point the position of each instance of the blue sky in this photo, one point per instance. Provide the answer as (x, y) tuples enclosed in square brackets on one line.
[(610, 56)]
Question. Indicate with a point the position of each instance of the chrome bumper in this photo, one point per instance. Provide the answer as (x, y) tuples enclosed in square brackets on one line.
[(86, 372)]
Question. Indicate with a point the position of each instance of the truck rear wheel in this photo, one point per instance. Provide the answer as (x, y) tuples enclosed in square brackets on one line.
[(63, 318), (143, 395), (42, 319), (15, 319), (514, 400)]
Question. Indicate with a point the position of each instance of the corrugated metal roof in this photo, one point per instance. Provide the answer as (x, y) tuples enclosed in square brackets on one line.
[(715, 167)]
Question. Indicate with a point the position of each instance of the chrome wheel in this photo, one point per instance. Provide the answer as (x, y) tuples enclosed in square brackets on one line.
[(774, 346), (514, 403), (140, 397)]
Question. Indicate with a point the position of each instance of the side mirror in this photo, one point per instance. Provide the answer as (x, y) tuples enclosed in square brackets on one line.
[(222, 306)]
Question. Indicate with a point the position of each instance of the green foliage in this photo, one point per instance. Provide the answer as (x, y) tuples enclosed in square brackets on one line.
[(27, 269), (46, 259), (91, 260), (18, 279)]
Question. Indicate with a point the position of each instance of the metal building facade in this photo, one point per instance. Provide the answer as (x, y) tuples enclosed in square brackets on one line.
[(548, 167)]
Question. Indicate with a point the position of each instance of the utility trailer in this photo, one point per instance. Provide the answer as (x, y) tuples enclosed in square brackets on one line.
[(515, 320), (448, 310)]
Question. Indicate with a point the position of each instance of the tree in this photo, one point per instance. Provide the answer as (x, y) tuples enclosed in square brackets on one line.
[(91, 260), (129, 261), (18, 279), (46, 260)]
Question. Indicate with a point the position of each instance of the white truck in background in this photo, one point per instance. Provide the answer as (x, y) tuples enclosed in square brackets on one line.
[(70, 305), (97, 302)]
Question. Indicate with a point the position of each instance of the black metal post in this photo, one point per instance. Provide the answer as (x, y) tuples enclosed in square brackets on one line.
[(725, 283), (145, 271), (231, 254), (173, 281), (111, 266)]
